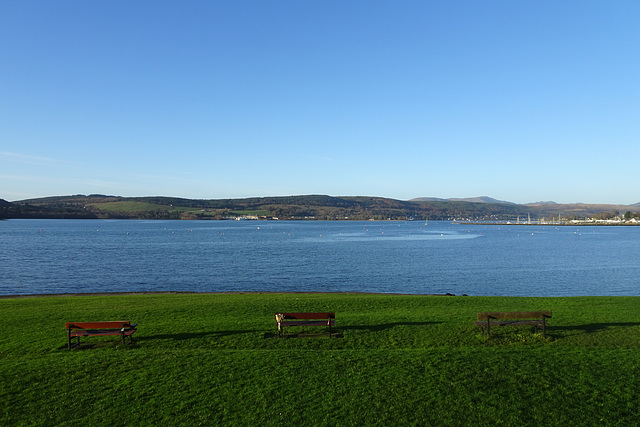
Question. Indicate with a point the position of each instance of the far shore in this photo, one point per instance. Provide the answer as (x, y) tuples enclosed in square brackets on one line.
[(86, 294)]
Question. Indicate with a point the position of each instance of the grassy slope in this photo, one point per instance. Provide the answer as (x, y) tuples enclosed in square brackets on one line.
[(403, 360), (133, 207)]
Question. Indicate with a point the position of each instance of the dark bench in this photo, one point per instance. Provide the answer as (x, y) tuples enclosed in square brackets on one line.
[(305, 319), (86, 329), (513, 318)]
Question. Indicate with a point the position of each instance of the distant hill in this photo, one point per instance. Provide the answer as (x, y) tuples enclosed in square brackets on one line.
[(480, 199), (428, 199), (4, 207), (320, 207)]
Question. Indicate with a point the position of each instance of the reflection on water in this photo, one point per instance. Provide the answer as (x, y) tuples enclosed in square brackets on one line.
[(391, 234)]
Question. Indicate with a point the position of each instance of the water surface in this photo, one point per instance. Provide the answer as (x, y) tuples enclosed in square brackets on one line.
[(69, 256)]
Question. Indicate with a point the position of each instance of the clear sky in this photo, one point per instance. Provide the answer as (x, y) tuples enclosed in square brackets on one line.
[(518, 100)]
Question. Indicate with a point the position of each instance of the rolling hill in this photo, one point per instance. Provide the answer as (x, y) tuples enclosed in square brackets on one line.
[(319, 207)]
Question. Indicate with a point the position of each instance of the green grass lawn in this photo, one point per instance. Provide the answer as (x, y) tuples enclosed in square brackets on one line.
[(207, 359)]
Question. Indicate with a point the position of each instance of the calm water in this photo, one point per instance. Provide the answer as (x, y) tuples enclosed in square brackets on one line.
[(61, 256)]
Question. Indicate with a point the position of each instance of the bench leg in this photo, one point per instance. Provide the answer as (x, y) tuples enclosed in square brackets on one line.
[(124, 339), (71, 345)]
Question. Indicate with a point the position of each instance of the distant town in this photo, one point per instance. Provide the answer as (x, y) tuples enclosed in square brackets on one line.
[(618, 220)]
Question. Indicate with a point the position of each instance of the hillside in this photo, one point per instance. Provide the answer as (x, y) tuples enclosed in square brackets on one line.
[(481, 199), (319, 207)]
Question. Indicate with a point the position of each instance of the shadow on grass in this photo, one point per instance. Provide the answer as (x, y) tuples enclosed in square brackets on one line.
[(193, 335), (339, 333), (89, 345), (385, 326), (590, 328), (334, 334)]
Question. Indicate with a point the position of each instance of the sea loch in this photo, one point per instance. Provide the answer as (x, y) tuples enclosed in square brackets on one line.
[(76, 256)]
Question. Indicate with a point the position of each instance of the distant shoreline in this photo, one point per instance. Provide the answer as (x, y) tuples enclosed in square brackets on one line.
[(106, 294), (86, 294)]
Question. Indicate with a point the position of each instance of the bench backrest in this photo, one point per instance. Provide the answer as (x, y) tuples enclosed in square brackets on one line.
[(503, 315), (98, 325), (308, 315)]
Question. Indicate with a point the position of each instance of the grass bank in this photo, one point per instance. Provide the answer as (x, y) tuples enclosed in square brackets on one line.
[(402, 360)]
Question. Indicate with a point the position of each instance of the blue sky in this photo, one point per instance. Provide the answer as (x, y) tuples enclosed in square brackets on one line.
[(521, 101)]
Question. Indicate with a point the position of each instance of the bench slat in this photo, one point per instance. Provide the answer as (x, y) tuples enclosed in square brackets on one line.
[(514, 315), (308, 323), (309, 315), (100, 332), (98, 325), (509, 323)]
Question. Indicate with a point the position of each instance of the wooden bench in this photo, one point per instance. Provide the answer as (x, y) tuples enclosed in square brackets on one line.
[(304, 319), (513, 318), (86, 329)]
